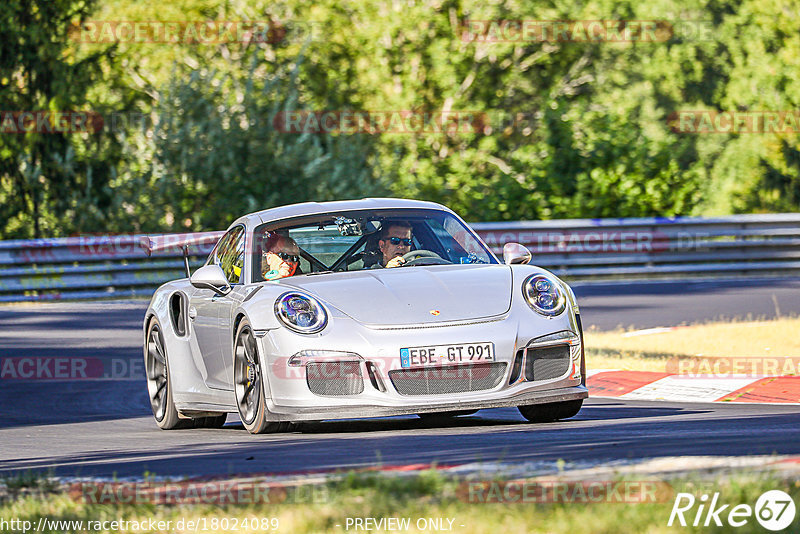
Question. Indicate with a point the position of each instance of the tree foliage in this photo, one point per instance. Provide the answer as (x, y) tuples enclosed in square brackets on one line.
[(219, 155), (52, 183), (575, 129)]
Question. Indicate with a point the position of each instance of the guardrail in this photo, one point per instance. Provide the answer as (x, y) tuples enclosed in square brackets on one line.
[(576, 249), (742, 245), (87, 267)]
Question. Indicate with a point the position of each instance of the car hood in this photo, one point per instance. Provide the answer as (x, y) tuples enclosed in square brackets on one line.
[(414, 295)]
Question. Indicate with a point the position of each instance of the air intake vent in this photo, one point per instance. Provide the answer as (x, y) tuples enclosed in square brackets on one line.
[(176, 307), (374, 378), (516, 369), (448, 379), (547, 363), (334, 379)]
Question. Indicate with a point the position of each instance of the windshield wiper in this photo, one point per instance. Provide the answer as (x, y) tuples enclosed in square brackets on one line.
[(318, 272)]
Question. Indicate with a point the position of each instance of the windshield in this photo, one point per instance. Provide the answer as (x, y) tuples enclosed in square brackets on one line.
[(368, 239)]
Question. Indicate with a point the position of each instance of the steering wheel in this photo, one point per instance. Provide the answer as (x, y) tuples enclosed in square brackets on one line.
[(419, 256)]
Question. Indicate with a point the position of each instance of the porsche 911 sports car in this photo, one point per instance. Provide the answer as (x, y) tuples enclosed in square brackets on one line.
[(363, 308)]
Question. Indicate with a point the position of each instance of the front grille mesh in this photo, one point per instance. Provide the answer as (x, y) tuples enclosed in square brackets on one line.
[(547, 363), (447, 379), (335, 378)]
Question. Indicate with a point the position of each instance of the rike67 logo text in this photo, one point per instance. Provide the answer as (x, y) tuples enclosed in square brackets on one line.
[(774, 510)]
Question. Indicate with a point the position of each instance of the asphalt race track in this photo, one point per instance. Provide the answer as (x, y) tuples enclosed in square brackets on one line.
[(604, 430), (104, 427)]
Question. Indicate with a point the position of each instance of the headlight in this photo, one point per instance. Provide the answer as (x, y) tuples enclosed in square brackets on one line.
[(301, 313), (544, 295)]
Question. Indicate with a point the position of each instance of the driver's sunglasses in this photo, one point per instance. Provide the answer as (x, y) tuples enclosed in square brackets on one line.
[(398, 240), (294, 258)]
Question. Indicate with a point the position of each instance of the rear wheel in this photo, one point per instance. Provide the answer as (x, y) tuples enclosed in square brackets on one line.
[(553, 411), (158, 382), (248, 376)]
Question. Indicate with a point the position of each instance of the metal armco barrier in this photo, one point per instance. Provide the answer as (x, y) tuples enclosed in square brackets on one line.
[(88, 267), (648, 248), (576, 249)]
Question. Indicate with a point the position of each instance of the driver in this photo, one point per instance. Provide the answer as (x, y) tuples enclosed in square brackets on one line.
[(394, 241), (281, 257)]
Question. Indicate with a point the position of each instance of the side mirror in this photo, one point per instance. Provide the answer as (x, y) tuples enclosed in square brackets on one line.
[(211, 277), (514, 253)]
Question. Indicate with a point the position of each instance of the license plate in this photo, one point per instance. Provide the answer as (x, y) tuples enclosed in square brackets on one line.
[(434, 355)]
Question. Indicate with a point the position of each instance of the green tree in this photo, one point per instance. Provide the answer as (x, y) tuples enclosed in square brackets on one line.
[(218, 153), (51, 183), (575, 129)]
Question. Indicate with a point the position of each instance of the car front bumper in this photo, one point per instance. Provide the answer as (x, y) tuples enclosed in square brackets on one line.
[(298, 413), (289, 397)]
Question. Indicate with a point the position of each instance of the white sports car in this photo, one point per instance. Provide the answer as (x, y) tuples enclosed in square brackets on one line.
[(362, 308)]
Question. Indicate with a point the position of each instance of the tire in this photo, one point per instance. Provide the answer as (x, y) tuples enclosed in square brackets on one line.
[(248, 384), (546, 413), (444, 416), (159, 388)]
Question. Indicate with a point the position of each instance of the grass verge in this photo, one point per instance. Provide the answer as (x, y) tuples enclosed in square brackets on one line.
[(419, 498), (651, 349)]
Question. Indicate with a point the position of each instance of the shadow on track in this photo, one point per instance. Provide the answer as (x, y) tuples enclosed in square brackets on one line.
[(606, 432)]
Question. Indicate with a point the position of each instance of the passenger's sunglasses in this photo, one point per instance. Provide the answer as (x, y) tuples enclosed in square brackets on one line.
[(294, 258), (398, 240)]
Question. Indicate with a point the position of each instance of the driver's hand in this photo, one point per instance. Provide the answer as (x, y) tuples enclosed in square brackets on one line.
[(396, 262)]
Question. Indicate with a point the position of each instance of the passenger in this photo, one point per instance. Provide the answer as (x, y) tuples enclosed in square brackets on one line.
[(281, 257), (394, 242)]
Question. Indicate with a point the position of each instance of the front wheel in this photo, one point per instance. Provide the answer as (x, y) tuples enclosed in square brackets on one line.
[(248, 377), (158, 383), (553, 411)]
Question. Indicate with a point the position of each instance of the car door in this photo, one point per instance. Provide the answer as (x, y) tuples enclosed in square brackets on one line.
[(232, 262), (206, 307)]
